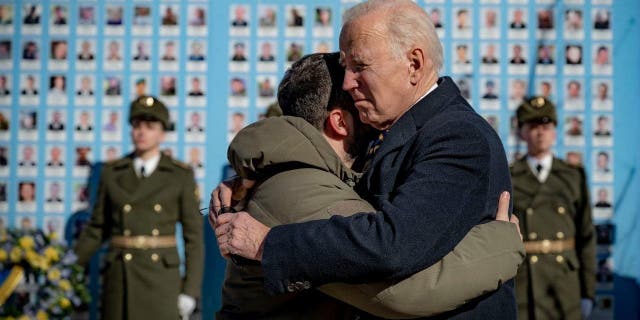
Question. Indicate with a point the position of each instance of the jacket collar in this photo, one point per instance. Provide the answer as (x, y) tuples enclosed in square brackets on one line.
[(138, 188), (410, 122)]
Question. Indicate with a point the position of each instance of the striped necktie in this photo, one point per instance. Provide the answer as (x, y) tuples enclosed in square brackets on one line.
[(375, 145)]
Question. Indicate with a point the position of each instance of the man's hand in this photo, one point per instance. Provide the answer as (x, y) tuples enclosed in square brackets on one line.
[(240, 234), (228, 193), (503, 211)]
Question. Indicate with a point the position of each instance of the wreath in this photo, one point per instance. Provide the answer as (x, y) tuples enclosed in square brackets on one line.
[(38, 277)]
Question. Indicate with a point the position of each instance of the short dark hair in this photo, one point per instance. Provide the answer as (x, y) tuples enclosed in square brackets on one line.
[(312, 87)]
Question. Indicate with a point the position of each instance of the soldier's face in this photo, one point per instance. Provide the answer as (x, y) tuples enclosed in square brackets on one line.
[(147, 135), (539, 136)]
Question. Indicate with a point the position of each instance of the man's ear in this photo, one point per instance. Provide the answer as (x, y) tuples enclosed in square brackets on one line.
[(419, 65), (336, 125)]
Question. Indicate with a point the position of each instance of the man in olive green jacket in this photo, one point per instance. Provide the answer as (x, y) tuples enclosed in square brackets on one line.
[(140, 199), (557, 281), (303, 168)]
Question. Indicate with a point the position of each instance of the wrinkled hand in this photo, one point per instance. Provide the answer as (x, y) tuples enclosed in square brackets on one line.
[(186, 305), (240, 234), (503, 211), (228, 193), (586, 306)]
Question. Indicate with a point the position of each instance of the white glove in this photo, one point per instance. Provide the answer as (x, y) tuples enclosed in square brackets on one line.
[(186, 305), (586, 305)]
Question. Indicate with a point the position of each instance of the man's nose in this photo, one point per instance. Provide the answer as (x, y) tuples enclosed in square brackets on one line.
[(350, 81)]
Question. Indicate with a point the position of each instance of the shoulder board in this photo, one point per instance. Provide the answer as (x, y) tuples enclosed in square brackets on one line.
[(119, 163), (181, 164)]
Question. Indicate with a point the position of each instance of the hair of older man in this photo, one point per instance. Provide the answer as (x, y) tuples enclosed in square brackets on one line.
[(407, 24), (312, 87)]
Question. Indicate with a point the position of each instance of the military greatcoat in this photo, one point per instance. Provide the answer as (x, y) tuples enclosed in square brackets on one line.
[(141, 282), (555, 220)]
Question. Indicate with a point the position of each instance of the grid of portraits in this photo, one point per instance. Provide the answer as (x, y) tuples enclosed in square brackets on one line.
[(264, 40), (68, 71)]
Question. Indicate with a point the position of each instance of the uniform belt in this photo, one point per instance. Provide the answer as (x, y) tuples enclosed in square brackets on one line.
[(549, 246), (143, 242)]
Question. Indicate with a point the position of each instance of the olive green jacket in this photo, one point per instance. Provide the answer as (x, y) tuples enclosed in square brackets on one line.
[(558, 209), (300, 178), (145, 283)]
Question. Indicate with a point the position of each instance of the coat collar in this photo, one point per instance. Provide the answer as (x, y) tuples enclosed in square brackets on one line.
[(410, 122), (141, 188)]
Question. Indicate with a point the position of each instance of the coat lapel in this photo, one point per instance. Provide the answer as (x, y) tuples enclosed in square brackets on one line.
[(409, 123), (127, 179), (527, 181)]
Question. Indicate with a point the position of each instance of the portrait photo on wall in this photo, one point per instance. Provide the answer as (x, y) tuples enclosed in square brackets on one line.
[(574, 157), (602, 168), (239, 16), (489, 29), (31, 13), (142, 15), (237, 120), (574, 130), (114, 15), (30, 84), (436, 15), (574, 97), (84, 88), (54, 191), (267, 16), (602, 91), (141, 50), (197, 51), (28, 120), (5, 50), (59, 50), (546, 88), (82, 156), (197, 16), (57, 120), (86, 15), (30, 50), (195, 87), (55, 156), (26, 192), (112, 125), (59, 15)]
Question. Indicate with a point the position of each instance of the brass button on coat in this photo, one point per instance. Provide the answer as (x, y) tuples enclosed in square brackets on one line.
[(155, 257), (533, 235), (560, 235), (561, 210), (126, 208), (128, 257), (534, 259), (157, 208), (155, 232), (529, 211), (126, 232), (560, 259)]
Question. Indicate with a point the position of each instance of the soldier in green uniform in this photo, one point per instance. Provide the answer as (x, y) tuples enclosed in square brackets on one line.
[(557, 280), (141, 198)]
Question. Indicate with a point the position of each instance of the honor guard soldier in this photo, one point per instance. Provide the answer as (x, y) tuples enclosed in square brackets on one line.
[(140, 199), (557, 280)]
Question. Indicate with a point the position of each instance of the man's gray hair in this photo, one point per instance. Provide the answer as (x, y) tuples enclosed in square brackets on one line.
[(408, 25), (312, 87)]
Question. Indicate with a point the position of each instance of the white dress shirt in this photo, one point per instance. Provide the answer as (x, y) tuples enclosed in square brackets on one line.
[(149, 166), (545, 162)]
